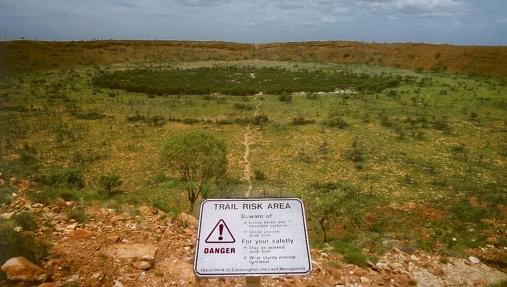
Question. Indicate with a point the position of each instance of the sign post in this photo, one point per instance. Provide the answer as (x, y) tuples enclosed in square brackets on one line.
[(252, 237)]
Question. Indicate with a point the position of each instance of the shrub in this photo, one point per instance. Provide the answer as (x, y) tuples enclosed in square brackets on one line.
[(27, 155), (300, 120), (77, 214), (5, 195), (190, 121), (259, 119), (351, 253), (442, 124), (243, 106), (304, 157), (26, 220), (312, 96), (335, 203), (90, 116), (70, 177), (49, 194), (356, 152), (285, 98), (155, 121), (108, 184), (135, 118), (20, 244), (337, 122), (259, 175), (220, 100)]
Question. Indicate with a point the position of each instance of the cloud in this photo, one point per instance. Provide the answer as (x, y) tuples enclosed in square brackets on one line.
[(416, 7), (125, 4), (201, 3)]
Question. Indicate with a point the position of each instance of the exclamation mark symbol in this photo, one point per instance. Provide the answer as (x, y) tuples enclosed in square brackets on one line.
[(221, 230)]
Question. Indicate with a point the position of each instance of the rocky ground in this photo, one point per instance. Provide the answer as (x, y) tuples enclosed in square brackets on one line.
[(143, 246)]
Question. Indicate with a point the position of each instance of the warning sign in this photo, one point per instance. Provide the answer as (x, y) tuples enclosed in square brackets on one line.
[(253, 237), (220, 234)]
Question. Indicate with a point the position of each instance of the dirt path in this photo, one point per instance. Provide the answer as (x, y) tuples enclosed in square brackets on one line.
[(247, 141)]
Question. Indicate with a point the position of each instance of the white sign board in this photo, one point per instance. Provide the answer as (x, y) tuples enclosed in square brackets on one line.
[(252, 237)]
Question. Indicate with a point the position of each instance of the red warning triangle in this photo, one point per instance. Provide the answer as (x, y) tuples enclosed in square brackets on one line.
[(220, 234)]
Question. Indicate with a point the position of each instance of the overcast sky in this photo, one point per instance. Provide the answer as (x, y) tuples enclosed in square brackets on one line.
[(435, 21)]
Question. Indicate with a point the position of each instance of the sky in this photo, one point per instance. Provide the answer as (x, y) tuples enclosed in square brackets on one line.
[(468, 22)]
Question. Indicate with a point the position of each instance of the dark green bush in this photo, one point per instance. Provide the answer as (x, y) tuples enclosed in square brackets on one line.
[(26, 220), (351, 252), (77, 214), (356, 152), (301, 120), (285, 98), (190, 121), (90, 116), (5, 195), (337, 122), (64, 177), (259, 119), (14, 244), (312, 96), (259, 175), (155, 121), (236, 80), (135, 118), (442, 124), (243, 106)]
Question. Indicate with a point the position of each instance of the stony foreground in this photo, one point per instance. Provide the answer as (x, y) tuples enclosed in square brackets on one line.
[(146, 247)]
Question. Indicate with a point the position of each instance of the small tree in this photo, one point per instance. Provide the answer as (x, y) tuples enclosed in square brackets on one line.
[(336, 203), (198, 156), (108, 184)]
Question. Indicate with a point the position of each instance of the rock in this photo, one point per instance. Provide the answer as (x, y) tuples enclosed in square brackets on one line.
[(474, 260), (188, 220), (178, 268), (71, 226), (413, 257), (20, 268), (382, 266), (69, 203), (98, 276), (18, 229), (60, 228), (7, 215), (79, 234), (113, 238), (131, 251), (117, 284), (364, 279), (60, 202), (45, 229), (142, 265), (406, 249), (146, 210), (73, 279), (95, 279)]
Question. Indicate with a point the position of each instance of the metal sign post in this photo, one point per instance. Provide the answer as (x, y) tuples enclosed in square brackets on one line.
[(252, 238)]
